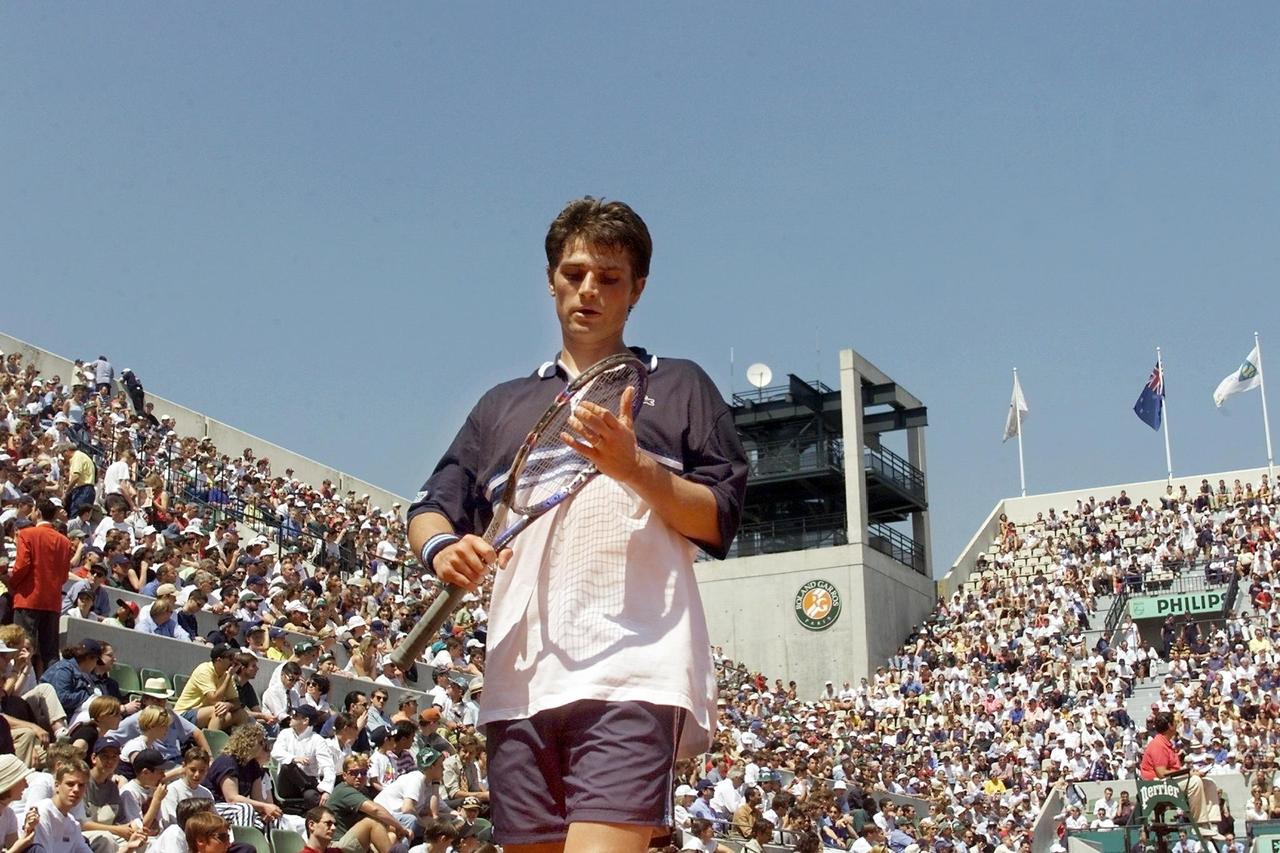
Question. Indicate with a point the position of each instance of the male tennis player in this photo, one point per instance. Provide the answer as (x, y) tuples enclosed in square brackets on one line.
[(599, 669)]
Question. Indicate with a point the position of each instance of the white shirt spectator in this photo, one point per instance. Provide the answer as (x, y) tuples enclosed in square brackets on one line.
[(178, 791), (727, 799), (58, 832), (172, 840), (411, 786), (117, 473), (302, 750), (100, 533)]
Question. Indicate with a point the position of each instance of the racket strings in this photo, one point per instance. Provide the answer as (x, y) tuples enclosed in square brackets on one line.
[(552, 468)]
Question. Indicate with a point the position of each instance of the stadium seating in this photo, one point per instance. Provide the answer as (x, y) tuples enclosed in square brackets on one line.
[(944, 734)]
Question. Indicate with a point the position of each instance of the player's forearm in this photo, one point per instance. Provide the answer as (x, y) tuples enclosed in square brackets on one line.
[(425, 525), (689, 508)]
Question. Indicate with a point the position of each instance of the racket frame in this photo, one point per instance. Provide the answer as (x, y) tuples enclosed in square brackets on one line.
[(498, 534)]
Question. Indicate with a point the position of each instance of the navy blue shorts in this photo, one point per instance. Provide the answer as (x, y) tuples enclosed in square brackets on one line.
[(590, 761)]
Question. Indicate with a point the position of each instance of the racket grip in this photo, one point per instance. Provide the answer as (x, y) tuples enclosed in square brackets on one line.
[(421, 634)]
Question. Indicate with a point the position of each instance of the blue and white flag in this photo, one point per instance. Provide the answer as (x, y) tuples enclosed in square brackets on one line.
[(1246, 378), (1150, 405)]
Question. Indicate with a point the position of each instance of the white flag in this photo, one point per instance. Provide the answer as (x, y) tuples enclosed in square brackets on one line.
[(1017, 411), (1244, 379)]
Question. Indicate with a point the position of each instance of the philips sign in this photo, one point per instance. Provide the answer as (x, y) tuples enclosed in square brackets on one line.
[(1180, 604)]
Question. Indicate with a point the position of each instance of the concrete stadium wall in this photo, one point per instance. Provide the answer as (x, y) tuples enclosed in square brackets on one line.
[(1025, 509), (227, 438), (750, 610), (177, 656)]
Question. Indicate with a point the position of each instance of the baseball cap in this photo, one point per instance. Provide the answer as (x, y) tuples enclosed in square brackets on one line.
[(147, 759)]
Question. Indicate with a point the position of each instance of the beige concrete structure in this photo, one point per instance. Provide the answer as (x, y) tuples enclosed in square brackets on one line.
[(751, 601)]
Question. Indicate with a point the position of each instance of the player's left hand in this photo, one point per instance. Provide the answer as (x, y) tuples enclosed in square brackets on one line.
[(606, 438)]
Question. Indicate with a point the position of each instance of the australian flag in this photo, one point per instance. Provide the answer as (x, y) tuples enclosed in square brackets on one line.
[(1150, 405)]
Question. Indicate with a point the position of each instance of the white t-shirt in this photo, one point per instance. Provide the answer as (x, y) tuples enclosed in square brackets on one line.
[(598, 639), (178, 791), (57, 831), (172, 840), (117, 473), (8, 823), (381, 768), (410, 786)]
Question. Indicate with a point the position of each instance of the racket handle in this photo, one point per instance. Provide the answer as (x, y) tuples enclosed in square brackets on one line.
[(421, 635)]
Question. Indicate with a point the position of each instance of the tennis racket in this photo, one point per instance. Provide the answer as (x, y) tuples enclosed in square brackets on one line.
[(546, 473)]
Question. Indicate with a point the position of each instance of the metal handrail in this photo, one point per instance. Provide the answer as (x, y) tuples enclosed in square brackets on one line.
[(773, 393), (792, 534), (893, 467), (895, 544), (793, 455), (1118, 609)]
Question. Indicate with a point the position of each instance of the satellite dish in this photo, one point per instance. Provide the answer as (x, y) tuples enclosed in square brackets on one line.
[(759, 375)]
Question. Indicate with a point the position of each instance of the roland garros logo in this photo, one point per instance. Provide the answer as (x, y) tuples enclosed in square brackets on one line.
[(817, 605)]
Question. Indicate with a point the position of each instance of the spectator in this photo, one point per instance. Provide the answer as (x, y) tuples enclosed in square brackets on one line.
[(71, 677), (158, 619), (235, 777), (207, 832), (320, 829), (137, 396), (104, 715), (186, 783), (209, 699), (81, 475), (142, 796), (297, 754), (104, 374), (13, 782), (155, 693), (58, 829), (362, 824), (41, 569), (96, 585)]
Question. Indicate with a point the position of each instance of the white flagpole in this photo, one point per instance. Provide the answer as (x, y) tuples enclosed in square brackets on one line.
[(1164, 419), (1266, 423), (730, 374), (1017, 414)]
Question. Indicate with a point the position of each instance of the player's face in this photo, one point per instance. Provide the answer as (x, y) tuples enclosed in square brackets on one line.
[(594, 288)]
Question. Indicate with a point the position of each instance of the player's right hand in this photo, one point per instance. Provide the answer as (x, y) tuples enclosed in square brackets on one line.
[(466, 562)]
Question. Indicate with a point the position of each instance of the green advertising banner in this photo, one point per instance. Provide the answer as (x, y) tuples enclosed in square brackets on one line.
[(1177, 604)]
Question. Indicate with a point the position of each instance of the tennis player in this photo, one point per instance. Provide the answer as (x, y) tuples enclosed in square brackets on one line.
[(599, 670)]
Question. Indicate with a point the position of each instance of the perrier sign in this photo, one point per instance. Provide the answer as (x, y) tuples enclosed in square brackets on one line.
[(1177, 604)]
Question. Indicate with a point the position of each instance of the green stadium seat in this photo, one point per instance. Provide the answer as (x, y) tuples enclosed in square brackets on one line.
[(252, 836), (179, 682), (147, 673), (127, 677), (217, 740), (287, 841)]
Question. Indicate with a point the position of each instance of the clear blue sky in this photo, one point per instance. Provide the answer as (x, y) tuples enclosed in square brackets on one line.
[(322, 222)]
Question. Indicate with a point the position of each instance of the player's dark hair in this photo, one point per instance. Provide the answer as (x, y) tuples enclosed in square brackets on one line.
[(601, 223)]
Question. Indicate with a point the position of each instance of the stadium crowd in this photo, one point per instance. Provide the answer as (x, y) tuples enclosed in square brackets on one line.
[(100, 496), (1011, 689), (1008, 691)]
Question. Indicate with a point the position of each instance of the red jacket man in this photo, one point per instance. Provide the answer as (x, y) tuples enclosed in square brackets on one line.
[(42, 566)]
